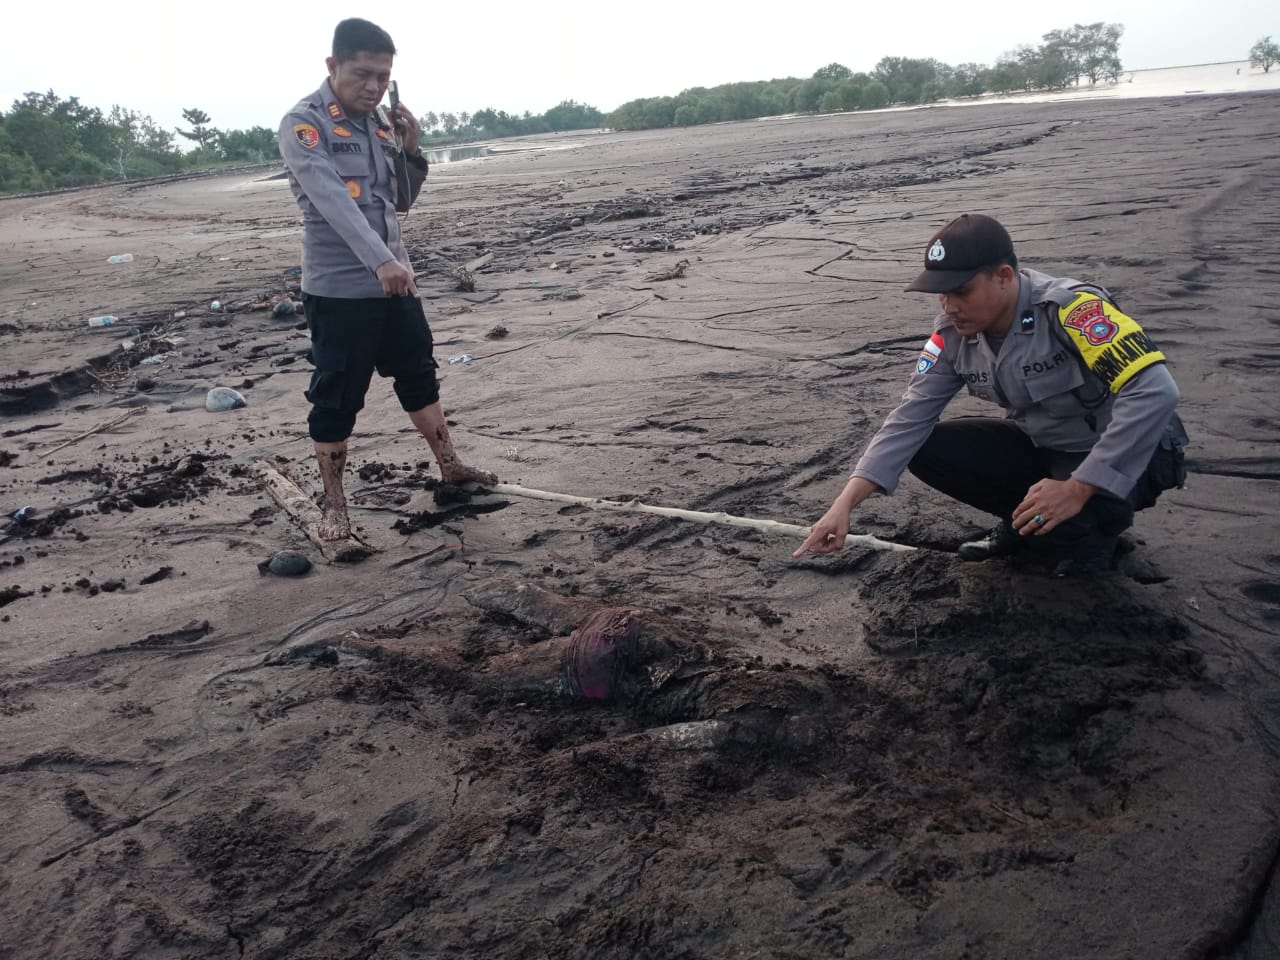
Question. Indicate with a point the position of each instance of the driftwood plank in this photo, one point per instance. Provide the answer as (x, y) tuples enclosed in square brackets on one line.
[(308, 516)]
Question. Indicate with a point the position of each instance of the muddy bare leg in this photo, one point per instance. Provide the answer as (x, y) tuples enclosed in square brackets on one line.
[(430, 423), (332, 457)]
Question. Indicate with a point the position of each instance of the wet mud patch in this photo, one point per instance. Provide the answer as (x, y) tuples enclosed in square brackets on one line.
[(1266, 593), (45, 394), (975, 741), (427, 519), (1035, 675), (41, 524), (163, 483), (256, 850), (9, 594)]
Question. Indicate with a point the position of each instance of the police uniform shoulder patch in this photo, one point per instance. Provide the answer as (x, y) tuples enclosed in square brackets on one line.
[(1112, 344), (383, 135), (930, 354), (341, 131), (335, 111), (307, 135)]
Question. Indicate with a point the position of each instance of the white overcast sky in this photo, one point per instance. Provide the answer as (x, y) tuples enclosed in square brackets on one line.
[(246, 63)]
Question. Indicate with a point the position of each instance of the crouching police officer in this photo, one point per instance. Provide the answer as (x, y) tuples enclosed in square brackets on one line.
[(351, 175), (1090, 434)]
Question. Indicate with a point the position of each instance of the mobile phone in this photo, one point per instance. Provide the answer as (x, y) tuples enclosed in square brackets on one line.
[(393, 92)]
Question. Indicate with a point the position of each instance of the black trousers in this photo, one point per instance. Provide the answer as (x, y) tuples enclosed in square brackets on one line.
[(990, 464)]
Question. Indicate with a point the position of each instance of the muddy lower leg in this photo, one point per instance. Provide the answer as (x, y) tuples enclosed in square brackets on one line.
[(430, 423), (332, 458)]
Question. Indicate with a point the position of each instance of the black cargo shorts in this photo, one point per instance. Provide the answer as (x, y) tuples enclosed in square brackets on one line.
[(350, 339)]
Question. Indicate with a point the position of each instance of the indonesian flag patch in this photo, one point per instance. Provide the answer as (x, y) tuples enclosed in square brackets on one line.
[(307, 135), (930, 354)]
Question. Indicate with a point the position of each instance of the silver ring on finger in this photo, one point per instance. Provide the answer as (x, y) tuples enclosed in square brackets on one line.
[(1038, 520)]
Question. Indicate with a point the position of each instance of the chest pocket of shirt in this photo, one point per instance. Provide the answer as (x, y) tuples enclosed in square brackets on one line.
[(1052, 389), (354, 170)]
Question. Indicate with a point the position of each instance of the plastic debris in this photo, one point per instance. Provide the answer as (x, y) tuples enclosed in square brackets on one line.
[(222, 399), (121, 258), (105, 320), (216, 306), (285, 308), (23, 513), (158, 358), (461, 358)]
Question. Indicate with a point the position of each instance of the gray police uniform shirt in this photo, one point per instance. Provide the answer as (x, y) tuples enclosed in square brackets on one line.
[(1074, 373), (350, 179)]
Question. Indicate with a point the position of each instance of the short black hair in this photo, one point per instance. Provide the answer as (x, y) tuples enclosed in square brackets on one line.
[(353, 35), (1010, 260)]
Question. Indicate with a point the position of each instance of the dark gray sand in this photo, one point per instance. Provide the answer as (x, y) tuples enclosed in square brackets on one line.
[(908, 757)]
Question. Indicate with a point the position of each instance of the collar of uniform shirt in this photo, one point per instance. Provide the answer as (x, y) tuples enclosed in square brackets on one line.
[(1024, 306)]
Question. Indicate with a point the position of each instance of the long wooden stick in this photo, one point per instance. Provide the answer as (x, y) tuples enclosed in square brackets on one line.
[(635, 506), (98, 429), (299, 506)]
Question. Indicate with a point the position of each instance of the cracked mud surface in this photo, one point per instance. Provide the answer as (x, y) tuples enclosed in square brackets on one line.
[(864, 756)]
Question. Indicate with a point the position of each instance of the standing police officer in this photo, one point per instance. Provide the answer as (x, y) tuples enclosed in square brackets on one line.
[(1090, 434), (351, 175)]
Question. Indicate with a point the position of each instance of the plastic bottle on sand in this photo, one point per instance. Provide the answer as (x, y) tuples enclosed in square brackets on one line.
[(121, 258), (104, 321)]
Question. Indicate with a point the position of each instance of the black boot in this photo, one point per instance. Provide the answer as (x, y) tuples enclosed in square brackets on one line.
[(1002, 540)]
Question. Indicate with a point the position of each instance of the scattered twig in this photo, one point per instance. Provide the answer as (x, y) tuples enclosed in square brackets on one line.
[(98, 429), (1008, 813), (464, 280), (671, 273)]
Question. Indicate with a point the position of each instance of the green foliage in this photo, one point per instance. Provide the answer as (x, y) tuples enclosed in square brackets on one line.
[(969, 80), (833, 71), (255, 145), (571, 115), (1089, 50), (874, 96), (1265, 54), (907, 80), (47, 143), (200, 131), (1096, 48), (439, 129)]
